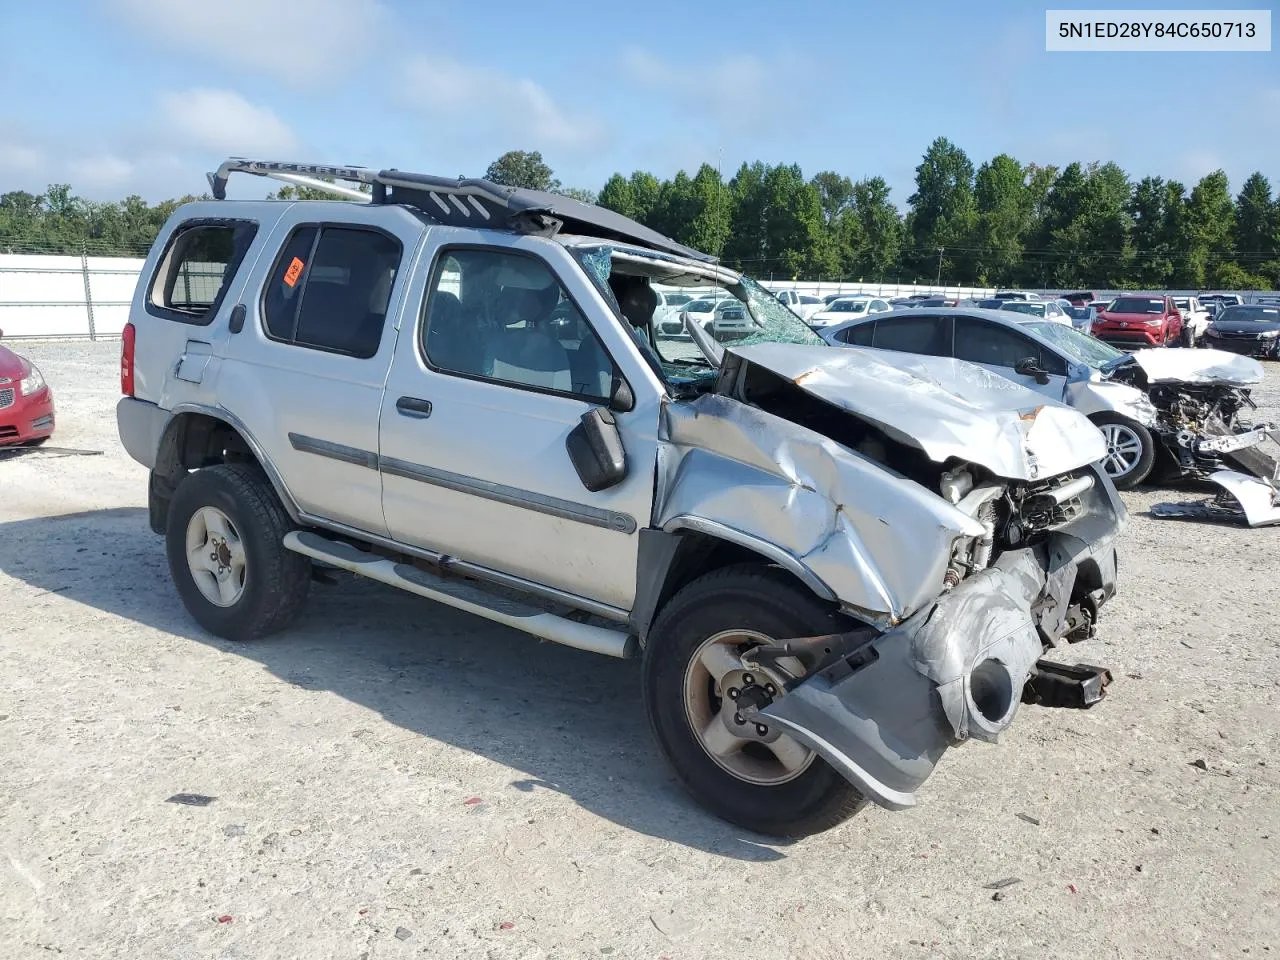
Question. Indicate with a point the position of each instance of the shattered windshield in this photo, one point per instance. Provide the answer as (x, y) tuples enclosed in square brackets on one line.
[(710, 294), (1079, 346)]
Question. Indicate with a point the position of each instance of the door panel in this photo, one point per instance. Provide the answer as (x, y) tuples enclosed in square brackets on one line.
[(998, 347), (316, 410), (473, 461)]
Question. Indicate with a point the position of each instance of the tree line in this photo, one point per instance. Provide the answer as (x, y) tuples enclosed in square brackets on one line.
[(1003, 223)]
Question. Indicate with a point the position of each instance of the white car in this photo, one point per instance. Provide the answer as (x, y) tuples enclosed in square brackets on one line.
[(1044, 309), (846, 308), (802, 305), (1016, 295), (1195, 319), (722, 317)]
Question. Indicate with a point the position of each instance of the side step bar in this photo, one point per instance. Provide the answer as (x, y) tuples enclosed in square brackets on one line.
[(463, 595)]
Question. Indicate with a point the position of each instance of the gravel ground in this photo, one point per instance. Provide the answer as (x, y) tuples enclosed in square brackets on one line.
[(394, 778)]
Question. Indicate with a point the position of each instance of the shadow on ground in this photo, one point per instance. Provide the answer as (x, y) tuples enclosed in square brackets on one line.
[(573, 722)]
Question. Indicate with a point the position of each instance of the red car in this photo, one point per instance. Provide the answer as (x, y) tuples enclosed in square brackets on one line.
[(26, 402), (1139, 321)]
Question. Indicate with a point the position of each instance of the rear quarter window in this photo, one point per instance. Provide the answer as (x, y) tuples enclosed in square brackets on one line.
[(199, 263)]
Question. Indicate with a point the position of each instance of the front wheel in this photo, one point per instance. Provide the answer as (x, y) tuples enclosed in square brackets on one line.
[(1131, 451), (226, 555), (693, 673)]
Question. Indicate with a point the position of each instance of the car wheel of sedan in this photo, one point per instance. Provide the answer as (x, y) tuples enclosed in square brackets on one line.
[(1188, 336), (1131, 451), (694, 674), (224, 544)]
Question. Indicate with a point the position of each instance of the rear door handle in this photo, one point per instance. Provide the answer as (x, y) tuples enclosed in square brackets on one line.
[(413, 407)]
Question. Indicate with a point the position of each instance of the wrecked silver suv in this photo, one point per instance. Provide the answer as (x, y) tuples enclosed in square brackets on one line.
[(835, 564)]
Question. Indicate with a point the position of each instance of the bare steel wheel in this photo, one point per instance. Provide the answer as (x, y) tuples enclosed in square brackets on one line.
[(696, 686), (714, 682), (215, 556)]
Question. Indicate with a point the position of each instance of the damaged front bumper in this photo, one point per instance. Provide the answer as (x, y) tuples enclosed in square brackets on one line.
[(884, 715)]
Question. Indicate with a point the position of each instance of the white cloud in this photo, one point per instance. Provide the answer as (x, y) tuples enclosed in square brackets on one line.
[(223, 122), (732, 90), (298, 42), (100, 172), (495, 103), (17, 159)]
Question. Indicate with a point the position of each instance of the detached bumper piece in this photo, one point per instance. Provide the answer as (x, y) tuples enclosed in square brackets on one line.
[(1244, 500), (1076, 687)]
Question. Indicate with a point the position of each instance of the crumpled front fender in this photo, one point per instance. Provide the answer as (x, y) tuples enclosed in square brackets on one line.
[(952, 671)]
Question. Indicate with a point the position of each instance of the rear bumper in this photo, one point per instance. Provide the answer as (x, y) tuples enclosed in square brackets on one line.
[(956, 670), (28, 418), (141, 424)]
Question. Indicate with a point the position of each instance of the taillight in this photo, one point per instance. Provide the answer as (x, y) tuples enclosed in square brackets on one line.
[(127, 337)]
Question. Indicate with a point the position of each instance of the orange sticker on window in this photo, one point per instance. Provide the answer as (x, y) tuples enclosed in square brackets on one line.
[(294, 272)]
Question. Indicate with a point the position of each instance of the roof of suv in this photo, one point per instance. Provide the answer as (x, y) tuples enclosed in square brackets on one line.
[(462, 202)]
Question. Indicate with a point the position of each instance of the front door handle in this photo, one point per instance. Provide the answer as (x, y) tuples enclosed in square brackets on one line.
[(413, 407)]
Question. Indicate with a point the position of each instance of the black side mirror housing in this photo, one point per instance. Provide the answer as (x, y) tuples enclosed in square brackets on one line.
[(595, 450), (621, 399), (1027, 367)]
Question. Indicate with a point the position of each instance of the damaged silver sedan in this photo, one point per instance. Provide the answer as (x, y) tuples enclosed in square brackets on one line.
[(1164, 413)]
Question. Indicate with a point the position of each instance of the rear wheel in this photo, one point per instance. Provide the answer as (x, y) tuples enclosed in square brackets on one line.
[(694, 672), (1131, 450), (226, 555)]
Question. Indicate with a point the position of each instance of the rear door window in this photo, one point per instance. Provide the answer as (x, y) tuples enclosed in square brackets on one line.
[(926, 334), (192, 277), (330, 289)]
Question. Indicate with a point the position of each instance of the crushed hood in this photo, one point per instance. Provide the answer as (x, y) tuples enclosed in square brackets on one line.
[(946, 408), (1164, 365)]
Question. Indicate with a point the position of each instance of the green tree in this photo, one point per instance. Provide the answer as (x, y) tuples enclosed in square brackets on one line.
[(942, 211), (1257, 231), (880, 228), (835, 194), (1003, 217), (746, 247), (1212, 223), (645, 190), (522, 168), (617, 196), (1151, 265)]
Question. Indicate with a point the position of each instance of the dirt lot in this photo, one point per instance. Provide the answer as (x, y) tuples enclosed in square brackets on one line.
[(393, 778)]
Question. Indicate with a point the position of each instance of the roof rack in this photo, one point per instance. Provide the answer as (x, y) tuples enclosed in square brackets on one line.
[(461, 202)]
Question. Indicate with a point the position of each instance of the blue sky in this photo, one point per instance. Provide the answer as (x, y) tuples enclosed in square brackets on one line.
[(122, 96)]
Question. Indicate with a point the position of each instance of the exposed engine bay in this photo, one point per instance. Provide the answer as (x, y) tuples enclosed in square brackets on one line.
[(1201, 429)]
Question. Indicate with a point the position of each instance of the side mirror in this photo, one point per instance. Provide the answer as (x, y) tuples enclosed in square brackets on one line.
[(1027, 367), (595, 450)]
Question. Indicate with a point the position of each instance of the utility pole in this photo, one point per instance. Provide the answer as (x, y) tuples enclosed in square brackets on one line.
[(939, 279)]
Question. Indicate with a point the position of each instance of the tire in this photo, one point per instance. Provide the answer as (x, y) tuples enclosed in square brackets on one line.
[(274, 581), (1122, 428), (762, 600)]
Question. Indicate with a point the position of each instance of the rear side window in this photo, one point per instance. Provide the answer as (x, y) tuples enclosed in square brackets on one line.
[(927, 335), (330, 288), (200, 263), (859, 335)]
